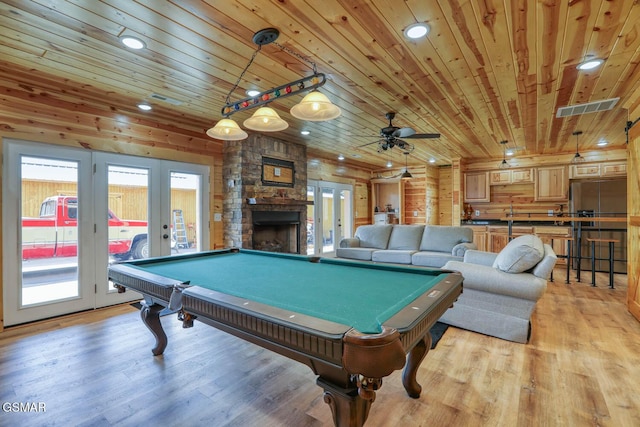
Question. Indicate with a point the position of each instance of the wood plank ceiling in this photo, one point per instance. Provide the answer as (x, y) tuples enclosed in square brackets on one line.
[(488, 71)]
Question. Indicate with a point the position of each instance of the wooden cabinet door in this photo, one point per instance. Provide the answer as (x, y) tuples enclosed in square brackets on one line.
[(614, 169), (480, 239), (551, 184), (522, 176), (585, 171), (499, 177), (476, 187)]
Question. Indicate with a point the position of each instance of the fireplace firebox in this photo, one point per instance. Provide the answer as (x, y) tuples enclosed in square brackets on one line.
[(276, 231)]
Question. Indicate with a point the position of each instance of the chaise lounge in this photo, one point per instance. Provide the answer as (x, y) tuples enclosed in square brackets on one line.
[(501, 289)]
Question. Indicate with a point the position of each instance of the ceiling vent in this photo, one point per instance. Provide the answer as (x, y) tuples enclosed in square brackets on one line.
[(166, 99), (591, 107)]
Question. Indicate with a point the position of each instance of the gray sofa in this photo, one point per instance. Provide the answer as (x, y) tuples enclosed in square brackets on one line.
[(423, 245), (502, 289)]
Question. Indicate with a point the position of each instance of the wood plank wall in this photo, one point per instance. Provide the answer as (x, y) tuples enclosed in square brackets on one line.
[(445, 195), (633, 209)]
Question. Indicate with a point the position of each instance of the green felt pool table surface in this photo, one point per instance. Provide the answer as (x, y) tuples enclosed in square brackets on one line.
[(361, 296), (351, 322)]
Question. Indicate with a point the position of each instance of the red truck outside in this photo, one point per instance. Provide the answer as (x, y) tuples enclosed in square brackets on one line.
[(55, 232)]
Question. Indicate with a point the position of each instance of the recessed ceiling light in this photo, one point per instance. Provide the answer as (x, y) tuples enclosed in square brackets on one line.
[(340, 157), (590, 64), (132, 42), (389, 164), (509, 152), (602, 143), (416, 31), (355, 155), (144, 107), (305, 132), (253, 92), (432, 160)]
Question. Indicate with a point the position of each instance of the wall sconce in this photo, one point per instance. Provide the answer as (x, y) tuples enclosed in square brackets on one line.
[(315, 106)]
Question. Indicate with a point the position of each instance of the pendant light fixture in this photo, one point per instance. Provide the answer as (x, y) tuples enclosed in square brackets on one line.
[(577, 158), (265, 119), (406, 174), (314, 106), (503, 164)]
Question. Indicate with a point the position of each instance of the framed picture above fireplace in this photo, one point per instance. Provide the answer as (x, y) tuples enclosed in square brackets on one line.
[(277, 173)]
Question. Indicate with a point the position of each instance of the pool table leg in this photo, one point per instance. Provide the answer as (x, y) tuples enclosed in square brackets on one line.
[(150, 314), (348, 408), (416, 356)]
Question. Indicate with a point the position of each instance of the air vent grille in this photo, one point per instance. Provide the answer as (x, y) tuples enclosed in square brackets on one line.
[(591, 107), (166, 99)]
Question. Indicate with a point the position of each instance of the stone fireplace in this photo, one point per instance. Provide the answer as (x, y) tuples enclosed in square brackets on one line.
[(264, 216)]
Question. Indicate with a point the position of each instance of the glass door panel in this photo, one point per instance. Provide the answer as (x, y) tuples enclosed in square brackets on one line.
[(328, 219), (47, 236), (185, 212), (345, 208), (310, 229), (49, 232)]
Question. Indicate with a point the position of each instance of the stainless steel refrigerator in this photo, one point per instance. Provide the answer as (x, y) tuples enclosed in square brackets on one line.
[(601, 198)]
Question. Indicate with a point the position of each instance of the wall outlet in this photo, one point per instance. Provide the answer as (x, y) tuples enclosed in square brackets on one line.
[(550, 212), (217, 217), (415, 213), (477, 212)]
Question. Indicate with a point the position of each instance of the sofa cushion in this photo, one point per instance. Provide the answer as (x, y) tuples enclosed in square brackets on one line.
[(442, 238), (395, 256), (374, 236), (432, 259), (362, 254), (520, 254), (406, 237)]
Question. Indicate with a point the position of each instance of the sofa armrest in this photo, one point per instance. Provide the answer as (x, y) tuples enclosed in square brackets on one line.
[(461, 248), (350, 242), (491, 280), (479, 257)]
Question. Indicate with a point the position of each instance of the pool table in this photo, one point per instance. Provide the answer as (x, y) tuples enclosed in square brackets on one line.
[(351, 322)]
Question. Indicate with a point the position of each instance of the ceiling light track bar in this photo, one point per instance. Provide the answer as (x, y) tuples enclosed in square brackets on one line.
[(302, 85)]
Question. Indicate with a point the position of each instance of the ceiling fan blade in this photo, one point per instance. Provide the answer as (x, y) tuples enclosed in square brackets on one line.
[(404, 133), (424, 136)]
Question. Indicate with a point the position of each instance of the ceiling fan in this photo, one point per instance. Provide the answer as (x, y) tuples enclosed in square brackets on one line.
[(393, 136)]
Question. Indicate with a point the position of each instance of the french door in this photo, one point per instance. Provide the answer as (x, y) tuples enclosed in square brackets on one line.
[(330, 218), (68, 214)]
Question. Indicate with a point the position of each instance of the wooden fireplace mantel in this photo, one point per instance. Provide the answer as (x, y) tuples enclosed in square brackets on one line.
[(279, 201)]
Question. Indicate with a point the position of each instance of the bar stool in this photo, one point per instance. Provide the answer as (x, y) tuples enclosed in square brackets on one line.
[(569, 241), (611, 242)]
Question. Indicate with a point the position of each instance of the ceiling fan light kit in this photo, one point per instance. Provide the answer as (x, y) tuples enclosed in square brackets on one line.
[(314, 106)]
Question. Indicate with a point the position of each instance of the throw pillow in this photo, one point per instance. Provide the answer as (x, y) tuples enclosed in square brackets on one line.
[(520, 254)]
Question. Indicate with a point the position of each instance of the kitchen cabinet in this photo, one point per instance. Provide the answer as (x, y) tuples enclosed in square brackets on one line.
[(551, 184), (594, 170), (387, 194), (511, 176), (498, 235), (613, 169), (559, 245), (476, 187), (479, 236)]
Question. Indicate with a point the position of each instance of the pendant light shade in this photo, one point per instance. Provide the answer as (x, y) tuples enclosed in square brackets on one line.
[(227, 130), (265, 119), (503, 164), (577, 158), (406, 174), (315, 107)]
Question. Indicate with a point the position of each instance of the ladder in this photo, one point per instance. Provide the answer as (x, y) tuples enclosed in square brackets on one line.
[(180, 232)]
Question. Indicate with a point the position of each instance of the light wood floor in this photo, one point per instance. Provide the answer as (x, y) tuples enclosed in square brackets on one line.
[(581, 368)]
